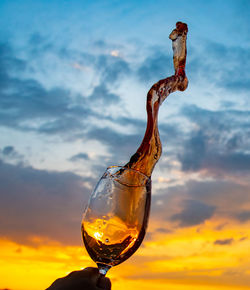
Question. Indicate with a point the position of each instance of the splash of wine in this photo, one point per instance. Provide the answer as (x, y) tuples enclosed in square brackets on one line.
[(115, 221), (149, 152)]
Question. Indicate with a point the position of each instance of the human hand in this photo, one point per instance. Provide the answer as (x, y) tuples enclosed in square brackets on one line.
[(87, 279)]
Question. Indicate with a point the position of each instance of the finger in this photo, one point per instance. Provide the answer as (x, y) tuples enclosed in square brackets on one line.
[(92, 273), (88, 274), (104, 282), (73, 274), (91, 270), (97, 279), (55, 284), (94, 278)]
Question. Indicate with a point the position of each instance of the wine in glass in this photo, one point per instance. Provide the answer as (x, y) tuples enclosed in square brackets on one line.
[(115, 220)]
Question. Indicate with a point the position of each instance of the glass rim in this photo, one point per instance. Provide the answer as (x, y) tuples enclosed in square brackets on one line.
[(127, 168)]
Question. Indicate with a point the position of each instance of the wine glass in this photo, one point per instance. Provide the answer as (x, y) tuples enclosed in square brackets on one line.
[(115, 220)]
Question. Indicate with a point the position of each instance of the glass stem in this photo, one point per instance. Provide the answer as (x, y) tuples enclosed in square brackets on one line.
[(103, 268)]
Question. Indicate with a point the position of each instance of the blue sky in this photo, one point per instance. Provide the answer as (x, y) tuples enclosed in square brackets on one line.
[(73, 82)]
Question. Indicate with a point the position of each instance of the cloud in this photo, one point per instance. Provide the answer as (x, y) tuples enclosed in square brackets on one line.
[(26, 105), (156, 66), (39, 45), (199, 156), (111, 68), (7, 60), (224, 66), (79, 157), (195, 149), (176, 207), (193, 213), (8, 150), (138, 124), (217, 144), (120, 145), (232, 62), (8, 153), (224, 242), (163, 230), (221, 201), (41, 203), (221, 65), (101, 95), (243, 216)]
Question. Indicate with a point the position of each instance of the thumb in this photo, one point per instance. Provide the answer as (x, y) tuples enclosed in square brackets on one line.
[(103, 282)]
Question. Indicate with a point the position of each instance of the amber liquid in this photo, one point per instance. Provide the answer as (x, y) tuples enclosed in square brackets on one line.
[(112, 254), (110, 242)]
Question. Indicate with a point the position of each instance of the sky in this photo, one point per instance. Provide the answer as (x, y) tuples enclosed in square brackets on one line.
[(73, 82)]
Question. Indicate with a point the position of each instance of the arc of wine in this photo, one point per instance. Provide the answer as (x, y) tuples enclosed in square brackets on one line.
[(112, 234), (149, 151)]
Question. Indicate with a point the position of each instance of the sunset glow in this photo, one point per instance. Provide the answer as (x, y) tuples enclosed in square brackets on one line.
[(191, 257), (74, 76)]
